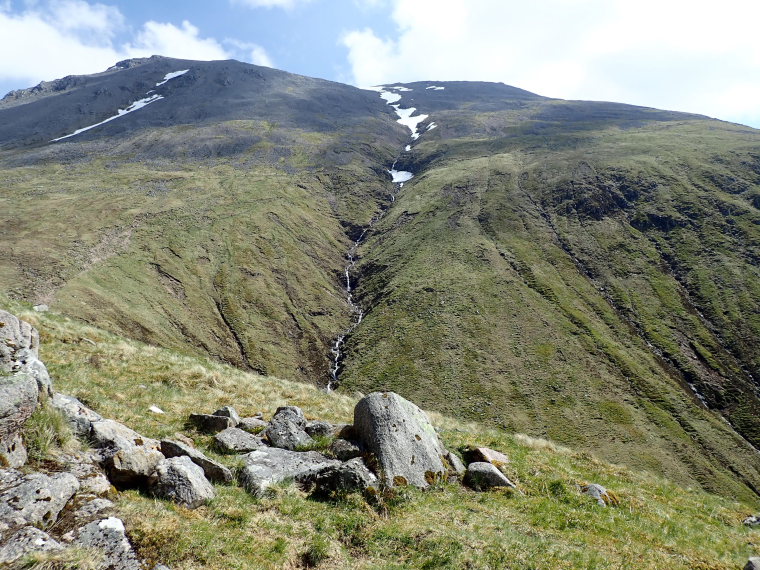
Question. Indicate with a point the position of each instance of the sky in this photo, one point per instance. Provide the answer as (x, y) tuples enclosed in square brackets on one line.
[(683, 55)]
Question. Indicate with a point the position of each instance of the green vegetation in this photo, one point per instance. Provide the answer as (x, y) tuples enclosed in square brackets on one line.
[(45, 432), (546, 523)]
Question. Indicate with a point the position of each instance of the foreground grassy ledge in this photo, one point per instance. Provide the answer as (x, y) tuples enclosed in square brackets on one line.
[(547, 524)]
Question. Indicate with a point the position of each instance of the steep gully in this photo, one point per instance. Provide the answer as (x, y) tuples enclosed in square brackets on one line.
[(392, 96)]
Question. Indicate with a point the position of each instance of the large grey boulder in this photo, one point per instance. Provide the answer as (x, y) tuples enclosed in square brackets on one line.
[(482, 476), (79, 416), (26, 541), (235, 440), (349, 477), (213, 470), (402, 439), (128, 457), (209, 423), (252, 425), (270, 465), (488, 455), (286, 429), (108, 537), (35, 499), (228, 412), (19, 398), (180, 480)]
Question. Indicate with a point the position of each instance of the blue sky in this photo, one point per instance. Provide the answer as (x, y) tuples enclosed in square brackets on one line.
[(686, 55)]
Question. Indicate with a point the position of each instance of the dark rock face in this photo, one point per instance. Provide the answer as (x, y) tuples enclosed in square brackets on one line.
[(210, 423), (349, 477), (213, 470), (286, 430), (228, 412), (180, 480), (345, 450), (402, 439), (482, 476), (318, 428)]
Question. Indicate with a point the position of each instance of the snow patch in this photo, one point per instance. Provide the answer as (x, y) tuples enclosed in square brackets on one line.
[(435, 87), (408, 119), (399, 88), (156, 410), (112, 523), (390, 97), (431, 126), (120, 113), (171, 75), (407, 148), (400, 176)]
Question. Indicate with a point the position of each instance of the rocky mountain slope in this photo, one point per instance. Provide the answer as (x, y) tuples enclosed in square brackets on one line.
[(581, 271)]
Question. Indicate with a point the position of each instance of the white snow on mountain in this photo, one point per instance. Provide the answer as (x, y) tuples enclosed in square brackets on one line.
[(408, 119), (435, 87), (172, 75)]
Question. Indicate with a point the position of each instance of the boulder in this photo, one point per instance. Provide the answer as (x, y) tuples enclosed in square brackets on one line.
[(752, 564), (318, 428), (35, 499), (455, 463), (39, 372), (345, 450), (180, 480), (286, 430), (213, 470), (18, 402), (79, 416), (349, 477), (602, 495), (482, 476), (228, 412), (234, 440), (209, 423), (109, 538), (128, 457), (252, 425), (752, 520), (402, 439), (270, 465), (19, 343), (492, 456), (26, 541)]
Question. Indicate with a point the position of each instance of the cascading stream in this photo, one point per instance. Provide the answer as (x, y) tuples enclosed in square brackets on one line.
[(398, 177)]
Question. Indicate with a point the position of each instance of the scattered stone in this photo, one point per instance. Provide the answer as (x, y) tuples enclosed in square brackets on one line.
[(129, 458), (402, 439), (235, 440), (270, 465), (109, 537), (603, 496), (252, 425), (41, 308), (35, 499), (491, 456), (79, 416), (286, 429), (213, 470), (456, 464), (209, 423), (228, 412), (482, 476), (318, 428), (180, 480), (752, 564), (345, 450), (156, 410), (349, 477), (26, 541), (752, 520)]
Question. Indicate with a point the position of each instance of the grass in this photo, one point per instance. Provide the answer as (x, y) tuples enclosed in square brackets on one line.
[(47, 431), (546, 523)]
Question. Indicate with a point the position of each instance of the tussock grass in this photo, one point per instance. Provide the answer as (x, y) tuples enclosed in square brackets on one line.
[(47, 432), (547, 523)]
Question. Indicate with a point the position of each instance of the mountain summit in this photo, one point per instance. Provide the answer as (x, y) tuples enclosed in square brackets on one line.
[(582, 271)]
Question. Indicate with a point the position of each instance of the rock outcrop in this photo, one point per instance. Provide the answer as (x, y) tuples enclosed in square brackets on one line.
[(213, 470), (128, 458), (482, 476), (402, 439), (286, 430), (270, 465), (180, 480), (235, 440)]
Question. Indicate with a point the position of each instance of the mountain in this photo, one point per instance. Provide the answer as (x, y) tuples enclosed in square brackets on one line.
[(581, 271)]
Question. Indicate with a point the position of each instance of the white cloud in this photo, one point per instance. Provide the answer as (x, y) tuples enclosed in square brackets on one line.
[(687, 55), (287, 4), (51, 39)]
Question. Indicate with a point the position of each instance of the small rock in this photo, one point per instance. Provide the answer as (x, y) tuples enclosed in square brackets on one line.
[(482, 476), (349, 477), (491, 456), (42, 308), (209, 423), (79, 416), (235, 440), (318, 428), (13, 451), (286, 429), (156, 410), (213, 470), (26, 541), (35, 499), (270, 465), (752, 520), (752, 564), (602, 495), (456, 464), (109, 537), (252, 425), (93, 509), (182, 438), (228, 412), (345, 450), (180, 480), (128, 457), (402, 439)]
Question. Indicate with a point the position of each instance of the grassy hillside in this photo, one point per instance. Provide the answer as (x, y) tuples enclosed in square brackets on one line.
[(547, 523)]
